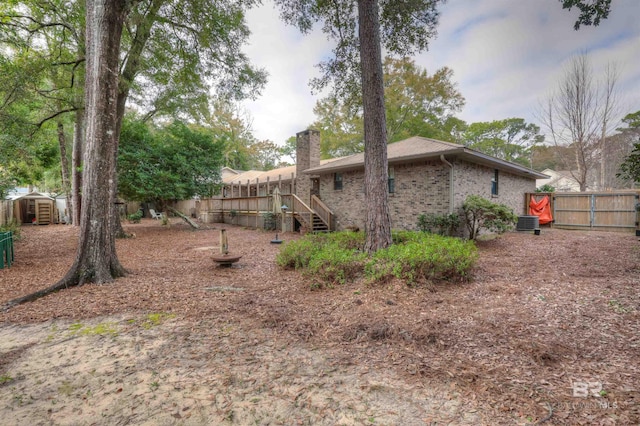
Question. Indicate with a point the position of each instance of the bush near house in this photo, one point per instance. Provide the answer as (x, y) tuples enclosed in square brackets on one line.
[(441, 224), (414, 257), (480, 213)]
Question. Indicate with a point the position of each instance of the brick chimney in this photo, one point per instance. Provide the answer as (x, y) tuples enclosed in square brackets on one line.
[(307, 156)]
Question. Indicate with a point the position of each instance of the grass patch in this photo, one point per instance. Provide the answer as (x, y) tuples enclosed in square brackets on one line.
[(155, 319), (104, 328), (414, 256)]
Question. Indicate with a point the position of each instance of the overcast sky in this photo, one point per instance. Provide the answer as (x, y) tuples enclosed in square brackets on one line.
[(507, 55)]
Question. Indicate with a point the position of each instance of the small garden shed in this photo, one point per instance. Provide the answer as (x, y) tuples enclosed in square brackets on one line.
[(34, 207)]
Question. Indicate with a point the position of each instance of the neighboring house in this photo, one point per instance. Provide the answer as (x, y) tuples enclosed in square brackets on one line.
[(562, 181), (425, 176), (228, 172)]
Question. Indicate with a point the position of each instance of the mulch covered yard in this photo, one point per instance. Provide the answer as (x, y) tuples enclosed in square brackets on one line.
[(547, 330)]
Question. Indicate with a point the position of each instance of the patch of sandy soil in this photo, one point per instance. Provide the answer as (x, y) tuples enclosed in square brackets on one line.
[(547, 331)]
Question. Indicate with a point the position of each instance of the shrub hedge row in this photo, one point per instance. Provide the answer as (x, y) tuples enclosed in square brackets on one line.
[(414, 257)]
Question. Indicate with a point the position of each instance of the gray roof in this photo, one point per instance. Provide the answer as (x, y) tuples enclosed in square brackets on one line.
[(282, 173), (418, 148), (31, 195)]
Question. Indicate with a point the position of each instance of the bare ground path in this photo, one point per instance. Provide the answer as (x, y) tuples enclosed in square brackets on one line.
[(200, 374), (181, 341)]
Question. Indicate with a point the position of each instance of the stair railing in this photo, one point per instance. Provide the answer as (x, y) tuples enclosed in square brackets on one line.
[(322, 211), (302, 211)]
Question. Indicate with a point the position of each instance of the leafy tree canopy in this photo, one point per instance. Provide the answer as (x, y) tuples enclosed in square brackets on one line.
[(630, 168), (405, 29), (174, 162), (511, 139), (289, 148), (265, 155), (591, 11), (341, 128), (232, 126), (632, 121), (174, 52), (416, 103)]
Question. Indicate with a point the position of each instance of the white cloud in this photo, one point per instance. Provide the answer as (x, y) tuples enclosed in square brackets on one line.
[(506, 55), (286, 104)]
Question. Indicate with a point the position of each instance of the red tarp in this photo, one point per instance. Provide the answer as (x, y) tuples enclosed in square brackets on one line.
[(541, 208)]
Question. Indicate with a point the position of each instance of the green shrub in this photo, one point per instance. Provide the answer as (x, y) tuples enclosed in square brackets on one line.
[(298, 254), (339, 257), (269, 221), (403, 237), (347, 239), (441, 224), (424, 257), (12, 226), (135, 217), (480, 213), (335, 265)]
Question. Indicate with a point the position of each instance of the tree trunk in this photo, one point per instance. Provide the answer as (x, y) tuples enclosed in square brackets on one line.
[(96, 260), (76, 166), (378, 222), (78, 138), (64, 168), (131, 68)]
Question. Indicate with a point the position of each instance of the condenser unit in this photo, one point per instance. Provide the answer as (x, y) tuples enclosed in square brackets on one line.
[(528, 223)]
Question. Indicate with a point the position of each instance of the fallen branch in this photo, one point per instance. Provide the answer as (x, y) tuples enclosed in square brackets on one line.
[(186, 219)]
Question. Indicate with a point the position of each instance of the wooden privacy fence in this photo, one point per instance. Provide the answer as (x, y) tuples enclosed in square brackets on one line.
[(6, 249), (6, 211), (604, 211)]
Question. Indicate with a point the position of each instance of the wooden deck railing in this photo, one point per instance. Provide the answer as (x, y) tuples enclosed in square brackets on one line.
[(302, 211), (323, 212), (247, 204), (254, 206)]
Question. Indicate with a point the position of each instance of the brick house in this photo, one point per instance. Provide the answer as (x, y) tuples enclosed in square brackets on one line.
[(425, 176)]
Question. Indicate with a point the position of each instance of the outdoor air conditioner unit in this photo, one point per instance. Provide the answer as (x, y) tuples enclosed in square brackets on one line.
[(528, 223)]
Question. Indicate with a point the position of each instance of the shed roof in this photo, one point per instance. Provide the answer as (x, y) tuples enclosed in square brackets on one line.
[(31, 195), (418, 148)]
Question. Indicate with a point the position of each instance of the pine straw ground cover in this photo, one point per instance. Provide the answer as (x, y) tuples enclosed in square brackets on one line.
[(547, 331)]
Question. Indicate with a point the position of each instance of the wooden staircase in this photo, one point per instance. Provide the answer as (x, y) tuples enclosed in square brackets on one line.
[(319, 225), (317, 218)]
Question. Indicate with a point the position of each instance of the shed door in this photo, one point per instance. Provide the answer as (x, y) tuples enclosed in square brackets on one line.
[(44, 212)]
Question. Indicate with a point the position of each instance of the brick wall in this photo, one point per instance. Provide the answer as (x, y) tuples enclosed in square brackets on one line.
[(475, 179), (422, 187)]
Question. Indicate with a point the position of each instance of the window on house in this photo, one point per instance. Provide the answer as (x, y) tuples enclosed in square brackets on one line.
[(392, 180), (337, 181), (494, 183)]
